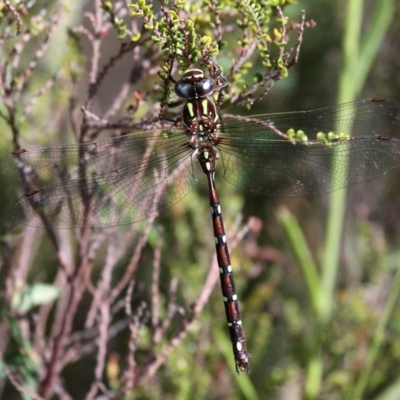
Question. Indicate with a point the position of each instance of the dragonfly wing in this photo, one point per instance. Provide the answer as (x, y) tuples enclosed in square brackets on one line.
[(106, 183), (338, 146), (290, 170)]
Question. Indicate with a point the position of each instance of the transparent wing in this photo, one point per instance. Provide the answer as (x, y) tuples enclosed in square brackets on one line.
[(121, 180), (312, 152), (101, 184)]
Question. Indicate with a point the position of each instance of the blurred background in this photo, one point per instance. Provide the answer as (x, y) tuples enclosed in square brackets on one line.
[(316, 277)]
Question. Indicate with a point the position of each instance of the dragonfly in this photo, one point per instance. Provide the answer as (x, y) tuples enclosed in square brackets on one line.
[(131, 177)]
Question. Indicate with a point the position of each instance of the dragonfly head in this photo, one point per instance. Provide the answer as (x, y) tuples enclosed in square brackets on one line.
[(194, 85)]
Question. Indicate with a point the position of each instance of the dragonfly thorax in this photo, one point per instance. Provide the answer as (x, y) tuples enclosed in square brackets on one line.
[(202, 122), (200, 115)]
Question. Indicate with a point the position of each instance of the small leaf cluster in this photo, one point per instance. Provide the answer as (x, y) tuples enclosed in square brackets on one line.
[(253, 34), (117, 22), (174, 31)]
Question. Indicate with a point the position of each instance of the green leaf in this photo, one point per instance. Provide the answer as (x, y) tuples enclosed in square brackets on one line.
[(32, 296)]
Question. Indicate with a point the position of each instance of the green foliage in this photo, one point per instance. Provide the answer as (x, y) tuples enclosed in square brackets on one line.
[(316, 314), (118, 23), (174, 32), (32, 296), (186, 30), (25, 361)]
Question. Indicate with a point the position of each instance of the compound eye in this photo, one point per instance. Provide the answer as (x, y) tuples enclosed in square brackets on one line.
[(185, 90), (205, 87)]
